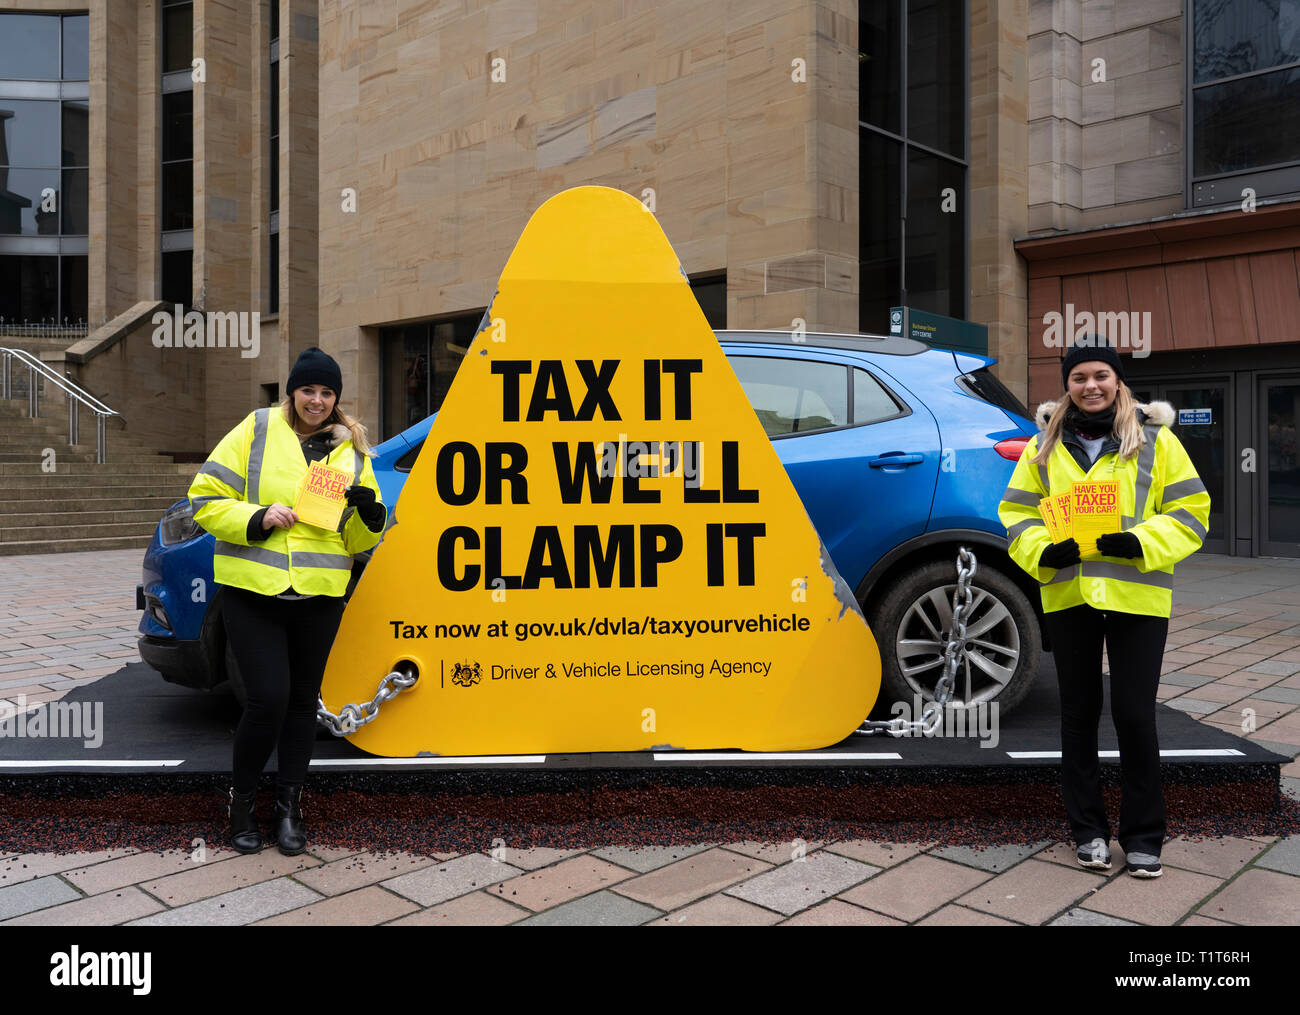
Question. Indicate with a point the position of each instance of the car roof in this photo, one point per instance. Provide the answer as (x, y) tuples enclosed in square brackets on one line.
[(889, 345)]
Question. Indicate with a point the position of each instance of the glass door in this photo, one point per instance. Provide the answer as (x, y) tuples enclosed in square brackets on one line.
[(1280, 470), (1203, 423)]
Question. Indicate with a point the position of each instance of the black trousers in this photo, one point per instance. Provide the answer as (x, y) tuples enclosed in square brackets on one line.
[(1135, 647), (281, 646)]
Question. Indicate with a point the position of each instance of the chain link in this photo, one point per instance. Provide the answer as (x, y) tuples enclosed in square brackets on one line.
[(953, 653), (352, 717)]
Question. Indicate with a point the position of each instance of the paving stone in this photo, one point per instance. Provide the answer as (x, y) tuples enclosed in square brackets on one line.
[(959, 916), (138, 867), (478, 909), (878, 854), (1229, 640), (365, 907), (1087, 918), (1275, 667), (235, 909), (683, 882), (1194, 705), (1289, 695), (915, 888), (798, 885), (1033, 891), (602, 909), (996, 859), (353, 872), (1222, 693), (438, 883), (217, 877), (1185, 679), (1291, 751), (1158, 901), (1291, 786), (17, 867), (718, 911), (1204, 921), (329, 854), (552, 886), (533, 858), (1220, 858), (1257, 898), (835, 913), (105, 910), (33, 895), (647, 858), (773, 852), (1284, 856)]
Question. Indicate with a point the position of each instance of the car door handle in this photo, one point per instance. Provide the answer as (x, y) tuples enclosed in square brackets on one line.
[(893, 458)]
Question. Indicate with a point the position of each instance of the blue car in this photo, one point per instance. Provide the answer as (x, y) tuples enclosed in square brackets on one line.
[(900, 452)]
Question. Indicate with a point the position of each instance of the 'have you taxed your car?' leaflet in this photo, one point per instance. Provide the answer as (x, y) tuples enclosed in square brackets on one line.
[(1089, 510), (322, 497)]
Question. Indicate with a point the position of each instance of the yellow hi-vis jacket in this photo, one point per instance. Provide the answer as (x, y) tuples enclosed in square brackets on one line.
[(1162, 501), (259, 463)]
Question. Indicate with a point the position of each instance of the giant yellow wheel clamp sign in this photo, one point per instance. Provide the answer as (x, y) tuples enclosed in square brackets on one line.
[(598, 549)]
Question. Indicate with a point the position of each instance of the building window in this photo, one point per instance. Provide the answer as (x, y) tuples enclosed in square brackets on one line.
[(273, 166), (44, 167), (1244, 115), (912, 129), (711, 293), (418, 362), (176, 168)]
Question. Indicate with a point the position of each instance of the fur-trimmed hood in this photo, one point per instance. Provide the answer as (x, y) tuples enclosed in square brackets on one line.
[(337, 434), (1160, 413)]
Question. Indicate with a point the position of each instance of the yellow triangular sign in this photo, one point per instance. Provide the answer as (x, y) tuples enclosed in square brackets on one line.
[(598, 549)]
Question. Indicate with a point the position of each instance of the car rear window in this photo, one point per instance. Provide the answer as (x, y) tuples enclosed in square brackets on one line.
[(794, 396), (984, 384)]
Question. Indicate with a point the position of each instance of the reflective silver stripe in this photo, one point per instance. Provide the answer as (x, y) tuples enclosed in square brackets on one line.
[(1145, 463), (1186, 517), (1015, 495), (358, 465), (227, 475), (1020, 527), (1127, 573), (343, 518), (197, 502), (336, 561), (255, 554), (1183, 488), (256, 452), (1065, 574), (1044, 477)]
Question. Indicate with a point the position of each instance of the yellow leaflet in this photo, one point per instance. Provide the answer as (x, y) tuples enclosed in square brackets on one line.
[(598, 549), (322, 498), (1094, 512)]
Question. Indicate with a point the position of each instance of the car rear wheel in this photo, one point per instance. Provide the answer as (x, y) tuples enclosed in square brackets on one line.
[(1003, 644)]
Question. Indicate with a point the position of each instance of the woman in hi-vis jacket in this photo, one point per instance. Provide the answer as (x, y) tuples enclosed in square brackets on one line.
[(1122, 599), (284, 579)]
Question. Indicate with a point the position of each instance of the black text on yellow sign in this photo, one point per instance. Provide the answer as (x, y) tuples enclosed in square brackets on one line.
[(597, 548)]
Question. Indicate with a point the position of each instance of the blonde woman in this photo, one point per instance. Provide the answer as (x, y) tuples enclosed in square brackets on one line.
[(284, 579), (1122, 600)]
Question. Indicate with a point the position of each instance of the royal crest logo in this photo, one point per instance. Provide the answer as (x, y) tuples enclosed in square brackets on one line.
[(467, 674)]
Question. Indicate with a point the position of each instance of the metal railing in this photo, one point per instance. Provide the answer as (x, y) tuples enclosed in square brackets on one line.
[(76, 396), (47, 329)]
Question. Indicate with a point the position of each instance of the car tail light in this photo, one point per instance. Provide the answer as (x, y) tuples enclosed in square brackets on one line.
[(1012, 448)]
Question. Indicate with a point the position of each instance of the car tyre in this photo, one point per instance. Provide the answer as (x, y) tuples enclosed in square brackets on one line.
[(1003, 627)]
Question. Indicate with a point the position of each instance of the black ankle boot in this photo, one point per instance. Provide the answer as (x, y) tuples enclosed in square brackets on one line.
[(245, 836), (290, 835)]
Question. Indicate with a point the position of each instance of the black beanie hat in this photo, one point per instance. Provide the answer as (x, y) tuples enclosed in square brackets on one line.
[(315, 367), (1090, 349)]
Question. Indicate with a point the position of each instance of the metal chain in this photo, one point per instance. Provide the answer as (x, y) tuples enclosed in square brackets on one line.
[(353, 717), (953, 653)]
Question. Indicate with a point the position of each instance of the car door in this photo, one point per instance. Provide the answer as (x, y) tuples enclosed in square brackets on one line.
[(862, 454)]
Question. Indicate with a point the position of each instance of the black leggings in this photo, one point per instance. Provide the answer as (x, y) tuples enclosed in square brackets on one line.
[(281, 646), (1135, 646)]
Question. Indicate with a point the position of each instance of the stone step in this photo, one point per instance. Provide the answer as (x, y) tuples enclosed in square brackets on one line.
[(75, 545), (156, 468), (80, 454), (89, 516), (35, 487), (46, 533), (123, 501)]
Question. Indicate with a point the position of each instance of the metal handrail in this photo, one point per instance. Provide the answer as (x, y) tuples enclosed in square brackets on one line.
[(75, 394)]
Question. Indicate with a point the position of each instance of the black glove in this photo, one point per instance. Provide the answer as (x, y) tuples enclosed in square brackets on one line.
[(1060, 555), (371, 511), (1119, 544)]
